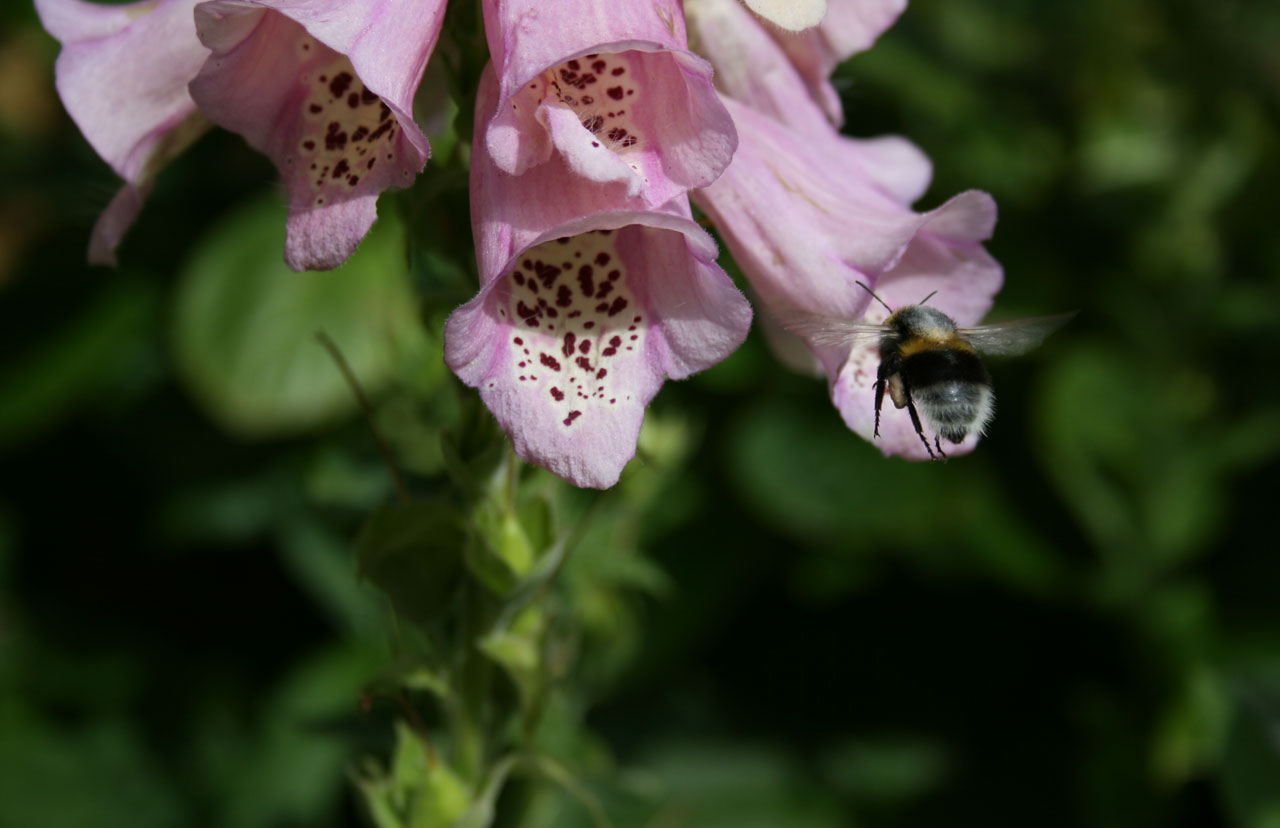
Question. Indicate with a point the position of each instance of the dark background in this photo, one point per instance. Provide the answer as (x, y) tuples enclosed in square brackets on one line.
[(1075, 625)]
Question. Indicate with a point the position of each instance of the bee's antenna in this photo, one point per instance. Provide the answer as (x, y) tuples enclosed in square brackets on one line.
[(927, 298), (877, 298)]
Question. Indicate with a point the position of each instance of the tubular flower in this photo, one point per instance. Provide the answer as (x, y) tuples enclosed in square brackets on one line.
[(588, 301), (122, 75), (325, 89), (809, 213), (610, 88), (751, 67), (851, 26)]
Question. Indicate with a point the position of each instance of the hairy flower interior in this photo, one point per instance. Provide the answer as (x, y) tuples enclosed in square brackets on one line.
[(346, 129), (601, 88), (574, 323)]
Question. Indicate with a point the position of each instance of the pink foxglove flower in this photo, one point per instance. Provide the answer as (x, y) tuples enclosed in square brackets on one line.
[(851, 26), (610, 88), (808, 213), (122, 75), (753, 68), (325, 89), (588, 301)]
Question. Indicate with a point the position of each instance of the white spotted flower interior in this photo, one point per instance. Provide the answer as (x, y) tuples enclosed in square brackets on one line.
[(122, 75), (326, 90), (586, 306), (611, 88)]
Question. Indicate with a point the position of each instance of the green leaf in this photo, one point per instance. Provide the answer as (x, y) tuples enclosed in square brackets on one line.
[(245, 325)]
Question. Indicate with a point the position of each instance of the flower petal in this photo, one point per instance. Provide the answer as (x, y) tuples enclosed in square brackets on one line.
[(637, 92), (114, 221), (851, 26), (751, 67), (588, 301), (122, 75), (326, 90)]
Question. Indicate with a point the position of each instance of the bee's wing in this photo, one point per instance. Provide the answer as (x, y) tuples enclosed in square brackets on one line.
[(1016, 337), (829, 331)]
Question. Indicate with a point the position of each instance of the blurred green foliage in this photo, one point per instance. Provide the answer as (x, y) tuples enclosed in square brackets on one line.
[(216, 607)]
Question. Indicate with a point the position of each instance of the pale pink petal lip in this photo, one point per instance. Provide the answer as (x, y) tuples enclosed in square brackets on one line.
[(624, 70), (589, 300), (122, 75), (325, 89)]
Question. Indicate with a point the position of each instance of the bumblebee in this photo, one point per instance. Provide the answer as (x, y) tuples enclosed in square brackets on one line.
[(929, 365)]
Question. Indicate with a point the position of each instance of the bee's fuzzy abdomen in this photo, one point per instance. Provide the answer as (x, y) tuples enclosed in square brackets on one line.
[(952, 389)]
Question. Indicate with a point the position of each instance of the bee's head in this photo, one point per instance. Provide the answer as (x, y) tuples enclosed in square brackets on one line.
[(921, 321)]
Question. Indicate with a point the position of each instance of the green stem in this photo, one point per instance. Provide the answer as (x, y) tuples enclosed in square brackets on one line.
[(474, 680)]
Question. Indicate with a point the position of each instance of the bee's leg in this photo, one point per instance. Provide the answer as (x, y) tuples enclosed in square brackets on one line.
[(879, 401), (938, 442), (915, 421)]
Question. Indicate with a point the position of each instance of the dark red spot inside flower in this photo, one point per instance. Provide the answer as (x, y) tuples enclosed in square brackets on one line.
[(359, 134), (589, 325), (583, 363), (604, 290), (341, 168), (335, 138), (546, 273), (573, 415), (593, 124), (616, 93), (585, 281), (617, 134), (367, 97), (602, 373), (574, 65), (549, 361), (618, 71), (598, 66), (338, 86), (315, 108), (518, 341), (353, 100), (584, 345), (569, 341), (617, 306), (557, 394), (517, 277), (309, 144)]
